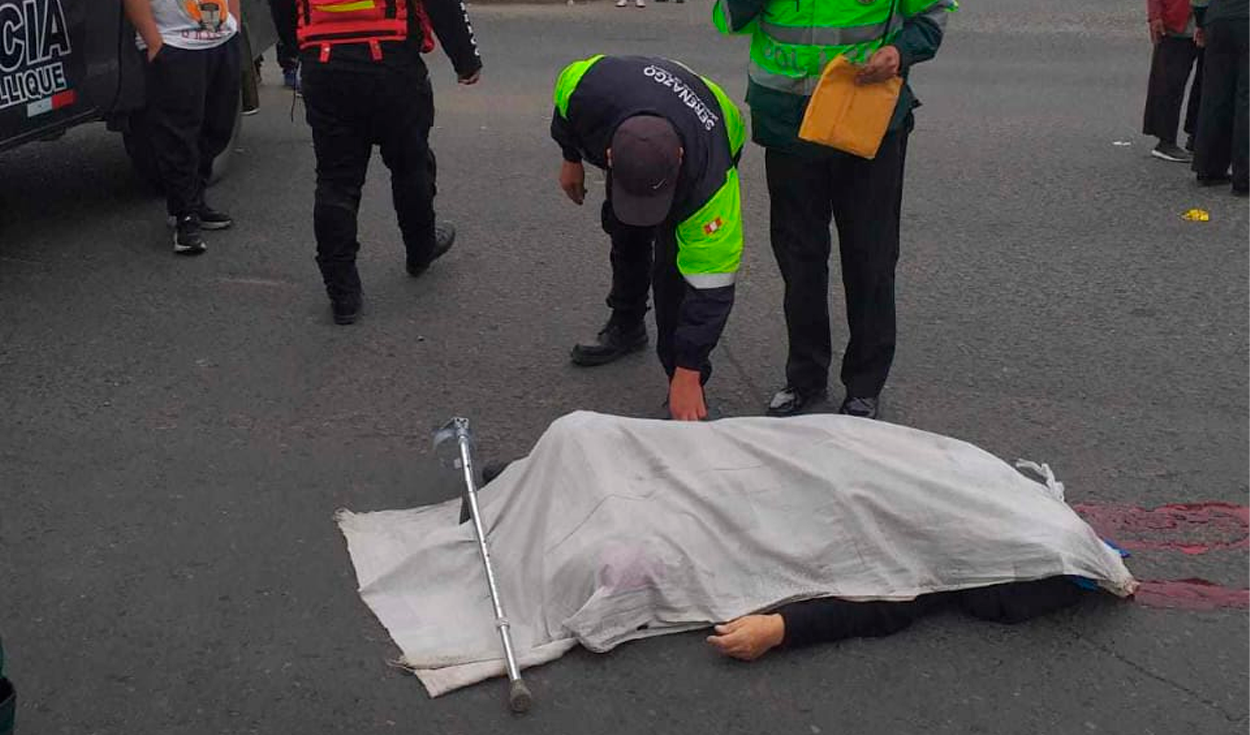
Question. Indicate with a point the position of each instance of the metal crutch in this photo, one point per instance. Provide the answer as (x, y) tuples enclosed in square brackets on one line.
[(519, 697)]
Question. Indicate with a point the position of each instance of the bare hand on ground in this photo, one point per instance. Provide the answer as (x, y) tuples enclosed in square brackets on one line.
[(882, 65), (685, 396), (573, 181), (749, 637)]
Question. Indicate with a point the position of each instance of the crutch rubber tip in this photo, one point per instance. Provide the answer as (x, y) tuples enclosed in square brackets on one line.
[(519, 698)]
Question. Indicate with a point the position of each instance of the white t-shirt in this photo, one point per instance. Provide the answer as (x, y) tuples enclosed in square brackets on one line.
[(193, 24)]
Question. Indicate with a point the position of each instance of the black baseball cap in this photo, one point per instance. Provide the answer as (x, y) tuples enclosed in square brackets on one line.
[(646, 160)]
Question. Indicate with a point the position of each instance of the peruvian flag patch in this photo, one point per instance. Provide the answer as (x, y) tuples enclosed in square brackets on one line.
[(711, 227)]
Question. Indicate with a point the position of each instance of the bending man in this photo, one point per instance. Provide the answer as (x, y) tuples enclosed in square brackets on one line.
[(669, 141)]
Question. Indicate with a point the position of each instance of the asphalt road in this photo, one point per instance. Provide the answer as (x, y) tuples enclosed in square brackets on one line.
[(175, 435)]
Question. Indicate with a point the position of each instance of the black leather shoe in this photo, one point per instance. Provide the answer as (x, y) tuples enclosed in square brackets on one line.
[(613, 343), (444, 238), (347, 309), (790, 401), (865, 408)]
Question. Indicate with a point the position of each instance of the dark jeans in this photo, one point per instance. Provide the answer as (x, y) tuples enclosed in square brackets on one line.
[(192, 97), (283, 14), (1170, 65), (643, 259), (1222, 118), (352, 106), (864, 198)]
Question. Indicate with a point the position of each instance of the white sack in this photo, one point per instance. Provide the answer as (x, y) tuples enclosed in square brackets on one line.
[(614, 529)]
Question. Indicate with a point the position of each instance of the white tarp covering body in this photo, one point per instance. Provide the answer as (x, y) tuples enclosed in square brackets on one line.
[(614, 529)]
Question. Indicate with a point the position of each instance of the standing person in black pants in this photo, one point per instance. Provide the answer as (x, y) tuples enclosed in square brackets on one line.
[(283, 13), (365, 84), (1223, 133), (1172, 28), (193, 78)]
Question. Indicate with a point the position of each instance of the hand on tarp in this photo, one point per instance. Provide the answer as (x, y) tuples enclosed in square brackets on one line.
[(749, 637), (685, 396), (882, 65)]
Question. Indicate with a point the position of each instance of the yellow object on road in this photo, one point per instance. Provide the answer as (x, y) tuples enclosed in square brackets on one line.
[(1196, 215)]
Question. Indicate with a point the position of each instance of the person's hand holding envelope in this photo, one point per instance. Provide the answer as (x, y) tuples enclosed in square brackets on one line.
[(852, 105)]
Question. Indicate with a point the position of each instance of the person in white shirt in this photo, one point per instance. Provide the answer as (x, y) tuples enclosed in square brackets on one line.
[(193, 78)]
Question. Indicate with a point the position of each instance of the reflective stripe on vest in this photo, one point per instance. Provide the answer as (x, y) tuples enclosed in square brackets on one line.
[(817, 36)]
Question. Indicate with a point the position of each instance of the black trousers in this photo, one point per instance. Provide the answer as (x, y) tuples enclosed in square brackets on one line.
[(1170, 64), (283, 14), (193, 97), (645, 259), (352, 106), (1222, 118), (864, 198)]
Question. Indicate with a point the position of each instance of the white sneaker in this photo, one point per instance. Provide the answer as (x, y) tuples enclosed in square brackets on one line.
[(622, 3), (640, 3)]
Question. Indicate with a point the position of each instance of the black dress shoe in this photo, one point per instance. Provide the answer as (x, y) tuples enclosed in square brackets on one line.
[(346, 309), (790, 401), (612, 343), (444, 238), (866, 408)]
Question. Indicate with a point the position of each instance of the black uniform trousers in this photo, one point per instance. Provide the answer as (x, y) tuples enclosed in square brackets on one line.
[(193, 98), (352, 105), (864, 198), (283, 14), (1170, 64), (1223, 133), (643, 259)]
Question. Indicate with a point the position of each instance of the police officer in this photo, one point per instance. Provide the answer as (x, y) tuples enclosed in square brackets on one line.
[(669, 141), (364, 84), (808, 185)]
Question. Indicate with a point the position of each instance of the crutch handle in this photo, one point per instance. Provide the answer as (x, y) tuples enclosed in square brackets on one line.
[(519, 697)]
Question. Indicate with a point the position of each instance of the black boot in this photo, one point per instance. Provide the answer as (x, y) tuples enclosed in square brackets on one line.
[(444, 238), (613, 342)]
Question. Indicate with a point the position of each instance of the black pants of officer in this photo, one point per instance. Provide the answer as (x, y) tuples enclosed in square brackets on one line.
[(353, 104), (283, 14), (193, 98), (864, 199), (645, 259), (1173, 59), (1223, 133)]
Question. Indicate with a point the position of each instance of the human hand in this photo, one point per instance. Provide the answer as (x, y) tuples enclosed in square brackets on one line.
[(1200, 38), (749, 637), (470, 79), (882, 65), (154, 49), (685, 396), (573, 180), (1157, 30)]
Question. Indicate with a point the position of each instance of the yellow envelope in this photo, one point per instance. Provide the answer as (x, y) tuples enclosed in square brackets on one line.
[(848, 116)]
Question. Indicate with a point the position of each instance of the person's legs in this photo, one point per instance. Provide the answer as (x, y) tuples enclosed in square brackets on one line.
[(343, 148), (1170, 66), (867, 204), (176, 92), (1216, 111), (800, 205), (221, 105), (1195, 100), (1016, 602)]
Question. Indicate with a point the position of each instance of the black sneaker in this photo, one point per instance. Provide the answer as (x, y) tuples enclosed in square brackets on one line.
[(211, 219), (346, 309), (865, 408), (187, 238), (790, 401), (444, 238), (1217, 180), (1171, 152), (612, 343)]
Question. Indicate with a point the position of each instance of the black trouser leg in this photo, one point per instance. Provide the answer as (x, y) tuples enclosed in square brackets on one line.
[(343, 148), (404, 134), (1195, 97), (1241, 103), (221, 106), (631, 267), (1170, 64), (177, 83), (1218, 109), (800, 205), (867, 205)]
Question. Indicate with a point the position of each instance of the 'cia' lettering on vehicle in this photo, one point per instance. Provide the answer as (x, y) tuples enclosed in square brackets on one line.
[(34, 39)]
